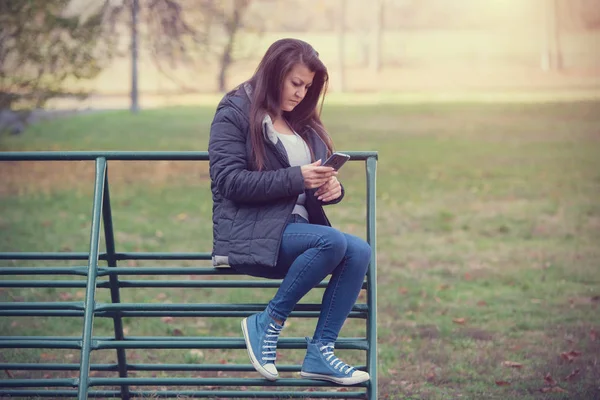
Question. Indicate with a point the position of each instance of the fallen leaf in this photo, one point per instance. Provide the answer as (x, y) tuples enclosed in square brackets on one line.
[(223, 361), (460, 321), (443, 286), (65, 296), (553, 389), (177, 332), (593, 335), (167, 320), (570, 356), (502, 383), (481, 303), (572, 375), (161, 296), (512, 364), (402, 290), (549, 380), (47, 357)]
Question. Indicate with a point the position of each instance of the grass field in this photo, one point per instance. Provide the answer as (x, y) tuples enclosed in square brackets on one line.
[(488, 234)]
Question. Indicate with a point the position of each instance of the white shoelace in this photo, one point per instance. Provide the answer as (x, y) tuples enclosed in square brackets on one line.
[(269, 347), (335, 362)]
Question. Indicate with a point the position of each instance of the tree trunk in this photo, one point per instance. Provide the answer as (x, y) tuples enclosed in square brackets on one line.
[(375, 56), (134, 57), (341, 33)]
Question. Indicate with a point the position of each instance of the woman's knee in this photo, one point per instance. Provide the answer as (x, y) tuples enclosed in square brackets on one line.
[(359, 251), (334, 242)]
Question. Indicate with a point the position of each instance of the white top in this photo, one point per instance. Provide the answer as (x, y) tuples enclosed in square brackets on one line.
[(298, 155)]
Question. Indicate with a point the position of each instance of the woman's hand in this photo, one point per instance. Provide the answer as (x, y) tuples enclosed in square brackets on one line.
[(330, 190), (315, 175)]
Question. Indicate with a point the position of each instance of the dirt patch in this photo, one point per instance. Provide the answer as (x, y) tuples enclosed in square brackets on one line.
[(476, 334), (21, 178)]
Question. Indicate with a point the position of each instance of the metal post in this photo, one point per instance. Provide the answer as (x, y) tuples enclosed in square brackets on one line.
[(134, 57), (114, 284), (90, 303), (371, 169)]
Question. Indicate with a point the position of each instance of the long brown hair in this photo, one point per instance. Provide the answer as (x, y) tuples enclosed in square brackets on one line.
[(267, 83)]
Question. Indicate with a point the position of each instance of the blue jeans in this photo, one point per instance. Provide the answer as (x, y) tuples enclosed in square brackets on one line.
[(309, 253)]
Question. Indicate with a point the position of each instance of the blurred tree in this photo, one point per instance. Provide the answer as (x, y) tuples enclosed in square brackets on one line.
[(231, 19), (182, 32), (42, 52)]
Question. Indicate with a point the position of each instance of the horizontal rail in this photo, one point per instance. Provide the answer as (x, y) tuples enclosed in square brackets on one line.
[(39, 344), (163, 342), (149, 314), (225, 343), (103, 256), (146, 284), (121, 307), (44, 271), (39, 305), (148, 367), (202, 307), (111, 394), (132, 155), (213, 381)]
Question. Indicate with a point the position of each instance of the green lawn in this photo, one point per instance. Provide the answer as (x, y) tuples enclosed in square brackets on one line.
[(488, 233)]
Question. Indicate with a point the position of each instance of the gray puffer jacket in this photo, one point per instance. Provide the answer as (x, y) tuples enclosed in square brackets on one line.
[(251, 208)]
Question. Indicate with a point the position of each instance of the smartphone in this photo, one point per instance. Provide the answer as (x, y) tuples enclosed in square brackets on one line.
[(336, 160)]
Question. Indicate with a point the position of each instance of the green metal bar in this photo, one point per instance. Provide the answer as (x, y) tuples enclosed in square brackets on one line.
[(43, 271), (214, 381), (38, 383), (115, 296), (147, 284), (343, 341), (166, 270), (42, 284), (162, 256), (102, 256), (205, 307), (208, 284), (111, 394), (88, 319), (371, 169), (35, 344), (223, 343), (41, 313), (40, 305), (149, 367), (110, 314), (43, 255), (132, 155)]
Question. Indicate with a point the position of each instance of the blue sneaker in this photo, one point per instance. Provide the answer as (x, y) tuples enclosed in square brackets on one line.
[(321, 363), (261, 334)]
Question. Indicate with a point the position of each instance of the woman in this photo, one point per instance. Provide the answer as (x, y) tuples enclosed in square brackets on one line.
[(266, 146)]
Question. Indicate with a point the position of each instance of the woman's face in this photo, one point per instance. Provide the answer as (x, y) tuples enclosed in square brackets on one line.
[(295, 86)]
